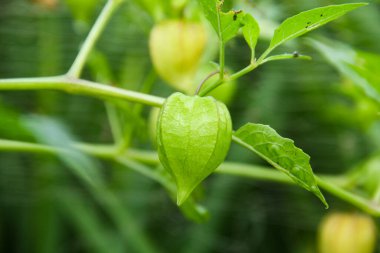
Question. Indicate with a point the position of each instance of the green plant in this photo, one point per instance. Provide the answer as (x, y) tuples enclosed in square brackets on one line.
[(291, 162)]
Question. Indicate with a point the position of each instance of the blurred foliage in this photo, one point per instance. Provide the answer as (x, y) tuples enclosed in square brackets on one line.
[(48, 204)]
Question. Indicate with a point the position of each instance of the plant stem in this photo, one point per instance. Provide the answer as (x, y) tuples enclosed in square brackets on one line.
[(356, 200), (267, 174), (244, 71), (285, 57), (235, 76), (221, 60), (253, 65), (146, 88), (221, 43), (101, 151), (93, 36), (265, 54), (127, 133), (131, 156), (79, 86), (208, 89), (19, 146), (142, 169), (253, 171), (143, 156), (114, 122), (376, 196), (330, 184), (205, 80)]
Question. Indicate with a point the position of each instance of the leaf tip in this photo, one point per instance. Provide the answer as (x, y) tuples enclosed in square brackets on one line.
[(325, 203), (358, 5), (319, 194), (182, 196)]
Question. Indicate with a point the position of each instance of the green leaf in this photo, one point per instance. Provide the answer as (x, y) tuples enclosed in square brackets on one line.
[(230, 23), (210, 10), (191, 208), (226, 24), (362, 68), (55, 134), (10, 125), (251, 31), (281, 153), (309, 20), (88, 170), (78, 210)]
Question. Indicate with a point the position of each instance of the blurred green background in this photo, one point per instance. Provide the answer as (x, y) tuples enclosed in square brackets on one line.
[(48, 205)]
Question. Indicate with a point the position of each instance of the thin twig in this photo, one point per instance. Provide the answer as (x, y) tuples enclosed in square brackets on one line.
[(205, 80), (92, 38)]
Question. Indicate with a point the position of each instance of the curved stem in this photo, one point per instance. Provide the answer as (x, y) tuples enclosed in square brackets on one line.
[(79, 86), (235, 76), (205, 80), (208, 89), (93, 36), (253, 65), (356, 200), (264, 55)]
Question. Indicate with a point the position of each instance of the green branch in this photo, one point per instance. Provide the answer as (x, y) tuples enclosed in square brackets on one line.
[(253, 65), (132, 157), (331, 184), (79, 86), (221, 42), (253, 171), (354, 199), (294, 55), (244, 71), (235, 76), (93, 36), (101, 151)]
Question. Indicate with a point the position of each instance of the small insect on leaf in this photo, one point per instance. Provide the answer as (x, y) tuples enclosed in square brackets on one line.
[(236, 14)]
